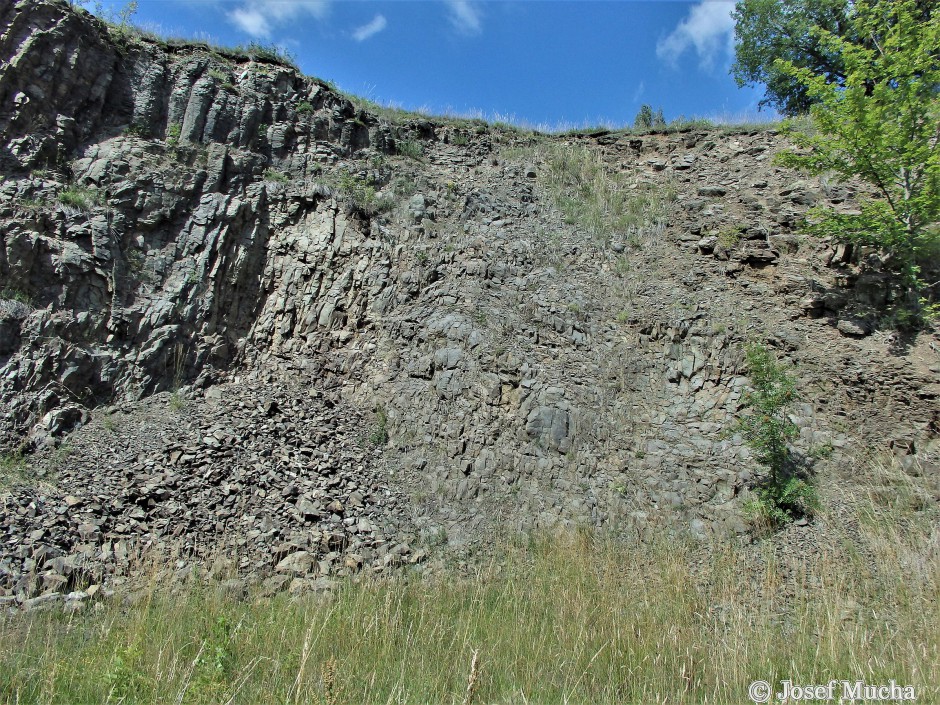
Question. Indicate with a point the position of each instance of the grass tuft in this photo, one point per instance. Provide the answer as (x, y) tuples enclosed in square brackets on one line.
[(13, 469), (410, 148), (276, 177), (593, 195), (79, 197)]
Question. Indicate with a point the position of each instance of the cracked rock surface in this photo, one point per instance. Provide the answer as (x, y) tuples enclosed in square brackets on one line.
[(238, 319)]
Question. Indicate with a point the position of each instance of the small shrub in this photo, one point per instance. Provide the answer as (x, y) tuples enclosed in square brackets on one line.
[(404, 186), (136, 129), (646, 119), (214, 665), (361, 193), (125, 677), (18, 295), (822, 452), (276, 177), (30, 204), (173, 133), (379, 435), (728, 238), (304, 108), (777, 503), (177, 402), (78, 197), (119, 21), (135, 261), (410, 149), (218, 75), (767, 429)]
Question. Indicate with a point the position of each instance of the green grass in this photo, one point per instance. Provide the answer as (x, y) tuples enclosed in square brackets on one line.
[(270, 53), (573, 617), (379, 435), (136, 130), (13, 469), (410, 149), (593, 195), (360, 192), (173, 132), (728, 238), (79, 197), (18, 295), (276, 177), (177, 402)]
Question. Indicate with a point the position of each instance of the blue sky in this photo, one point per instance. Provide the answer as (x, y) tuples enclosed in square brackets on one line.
[(549, 63)]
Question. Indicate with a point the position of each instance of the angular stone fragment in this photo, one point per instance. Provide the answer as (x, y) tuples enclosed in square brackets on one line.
[(299, 562)]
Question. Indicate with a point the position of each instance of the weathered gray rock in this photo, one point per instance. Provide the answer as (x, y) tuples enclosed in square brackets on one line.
[(853, 327), (231, 343)]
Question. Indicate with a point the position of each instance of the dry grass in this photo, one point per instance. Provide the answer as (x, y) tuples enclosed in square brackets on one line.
[(574, 618), (592, 194)]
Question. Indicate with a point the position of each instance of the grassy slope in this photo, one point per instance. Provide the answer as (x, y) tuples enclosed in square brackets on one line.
[(574, 618)]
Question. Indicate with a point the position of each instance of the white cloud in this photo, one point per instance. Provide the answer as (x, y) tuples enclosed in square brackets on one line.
[(259, 17), (708, 29), (370, 29), (465, 16)]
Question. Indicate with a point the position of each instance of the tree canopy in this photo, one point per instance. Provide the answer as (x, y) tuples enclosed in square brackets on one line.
[(788, 30), (646, 119), (881, 123), (771, 30)]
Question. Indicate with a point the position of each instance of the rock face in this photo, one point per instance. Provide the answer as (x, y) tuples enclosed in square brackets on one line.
[(368, 352)]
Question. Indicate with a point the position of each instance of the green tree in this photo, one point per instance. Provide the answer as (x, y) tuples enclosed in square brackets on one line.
[(770, 30), (659, 120), (767, 430), (882, 125), (122, 16), (646, 119)]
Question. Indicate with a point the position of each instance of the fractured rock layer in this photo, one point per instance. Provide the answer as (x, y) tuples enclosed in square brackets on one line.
[(369, 352)]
